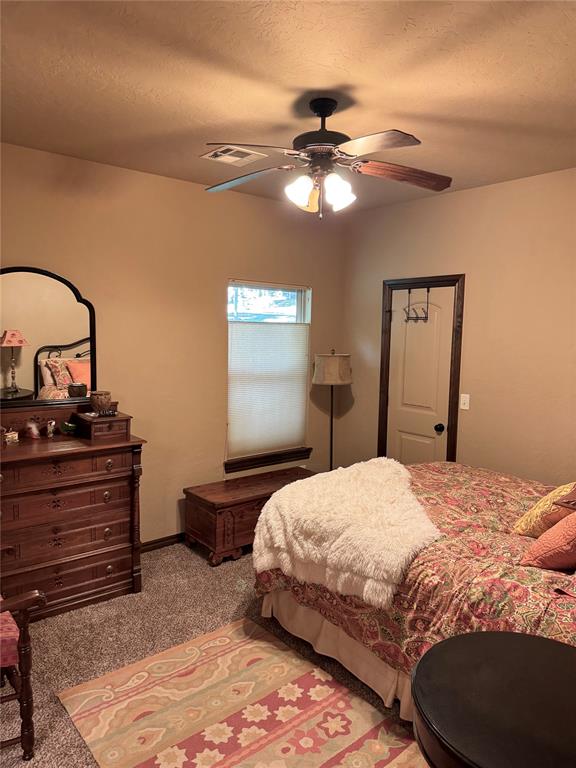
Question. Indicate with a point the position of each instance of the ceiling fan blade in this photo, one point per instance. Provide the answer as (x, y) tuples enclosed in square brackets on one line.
[(423, 179), (375, 142), (279, 150), (231, 183)]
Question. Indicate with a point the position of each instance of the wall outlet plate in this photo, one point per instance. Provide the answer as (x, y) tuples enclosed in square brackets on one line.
[(464, 402)]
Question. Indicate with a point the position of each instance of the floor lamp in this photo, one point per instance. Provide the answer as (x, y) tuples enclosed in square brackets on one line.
[(332, 370)]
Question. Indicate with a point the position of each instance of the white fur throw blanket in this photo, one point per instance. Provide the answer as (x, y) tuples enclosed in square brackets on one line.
[(354, 530)]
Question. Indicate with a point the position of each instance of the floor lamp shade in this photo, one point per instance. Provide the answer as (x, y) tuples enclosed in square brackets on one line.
[(332, 369)]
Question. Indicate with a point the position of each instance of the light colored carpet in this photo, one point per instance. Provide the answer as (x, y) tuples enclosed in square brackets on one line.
[(183, 597)]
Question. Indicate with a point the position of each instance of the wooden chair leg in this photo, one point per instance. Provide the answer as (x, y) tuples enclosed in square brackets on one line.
[(25, 697), (13, 677), (20, 679)]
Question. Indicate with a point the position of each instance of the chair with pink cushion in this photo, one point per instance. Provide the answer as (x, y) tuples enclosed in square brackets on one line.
[(16, 663)]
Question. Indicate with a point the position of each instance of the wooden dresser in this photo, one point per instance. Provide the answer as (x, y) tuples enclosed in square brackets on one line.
[(70, 519), (223, 515)]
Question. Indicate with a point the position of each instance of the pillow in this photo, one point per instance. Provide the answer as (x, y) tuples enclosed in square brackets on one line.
[(80, 371), (60, 372), (568, 501), (544, 514), (556, 548), (47, 378)]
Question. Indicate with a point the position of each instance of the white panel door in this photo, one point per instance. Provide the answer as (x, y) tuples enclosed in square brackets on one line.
[(419, 380)]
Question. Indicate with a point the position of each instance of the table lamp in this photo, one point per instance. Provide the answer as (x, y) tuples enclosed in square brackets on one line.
[(13, 339), (332, 370)]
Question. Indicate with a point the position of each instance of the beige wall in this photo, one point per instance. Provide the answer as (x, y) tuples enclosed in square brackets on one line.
[(516, 242), (154, 256)]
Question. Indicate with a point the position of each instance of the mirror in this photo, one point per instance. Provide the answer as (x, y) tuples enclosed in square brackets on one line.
[(47, 343)]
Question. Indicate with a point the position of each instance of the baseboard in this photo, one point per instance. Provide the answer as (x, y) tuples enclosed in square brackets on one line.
[(165, 541)]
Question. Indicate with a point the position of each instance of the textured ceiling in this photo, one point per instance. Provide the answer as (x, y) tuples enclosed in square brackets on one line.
[(488, 87)]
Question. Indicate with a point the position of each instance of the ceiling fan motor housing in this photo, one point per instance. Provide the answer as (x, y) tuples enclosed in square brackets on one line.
[(319, 138), (325, 140)]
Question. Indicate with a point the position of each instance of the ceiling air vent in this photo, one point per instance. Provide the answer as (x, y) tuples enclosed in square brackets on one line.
[(233, 155)]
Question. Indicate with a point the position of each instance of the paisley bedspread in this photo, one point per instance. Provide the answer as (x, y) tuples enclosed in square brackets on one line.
[(468, 581)]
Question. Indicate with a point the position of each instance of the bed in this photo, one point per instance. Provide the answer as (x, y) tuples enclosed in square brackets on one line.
[(467, 581)]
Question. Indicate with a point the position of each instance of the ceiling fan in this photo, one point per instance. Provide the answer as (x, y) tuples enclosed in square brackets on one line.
[(320, 153)]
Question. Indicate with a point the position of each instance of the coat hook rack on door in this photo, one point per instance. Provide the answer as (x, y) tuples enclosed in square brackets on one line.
[(416, 317)]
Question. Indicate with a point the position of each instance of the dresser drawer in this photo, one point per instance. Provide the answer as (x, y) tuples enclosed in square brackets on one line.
[(57, 471), (111, 430), (60, 504), (51, 542), (74, 577)]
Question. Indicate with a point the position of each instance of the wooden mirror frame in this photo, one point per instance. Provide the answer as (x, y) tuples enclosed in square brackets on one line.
[(91, 334)]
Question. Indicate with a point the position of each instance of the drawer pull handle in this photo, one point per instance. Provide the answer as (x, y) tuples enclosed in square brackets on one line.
[(8, 550), (58, 581), (107, 535), (106, 496), (109, 570), (109, 464), (56, 540)]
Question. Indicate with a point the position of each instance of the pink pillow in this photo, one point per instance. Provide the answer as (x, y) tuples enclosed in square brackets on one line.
[(80, 371), (47, 378), (60, 372), (555, 549)]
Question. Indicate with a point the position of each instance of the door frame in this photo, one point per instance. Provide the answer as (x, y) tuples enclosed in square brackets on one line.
[(439, 281)]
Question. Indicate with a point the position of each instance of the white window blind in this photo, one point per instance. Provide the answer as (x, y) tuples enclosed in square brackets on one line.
[(267, 386)]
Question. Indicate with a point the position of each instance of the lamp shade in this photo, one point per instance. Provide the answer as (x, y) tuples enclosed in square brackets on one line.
[(332, 369), (13, 339)]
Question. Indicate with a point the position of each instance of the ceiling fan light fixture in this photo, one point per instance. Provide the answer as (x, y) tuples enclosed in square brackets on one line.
[(322, 151), (298, 192), (338, 192)]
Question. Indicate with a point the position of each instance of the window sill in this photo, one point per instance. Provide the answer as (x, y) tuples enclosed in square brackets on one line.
[(266, 459)]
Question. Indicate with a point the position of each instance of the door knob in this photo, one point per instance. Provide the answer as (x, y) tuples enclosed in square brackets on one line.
[(439, 428)]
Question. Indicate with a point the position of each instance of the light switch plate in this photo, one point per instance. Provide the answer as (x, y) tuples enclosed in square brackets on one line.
[(464, 402)]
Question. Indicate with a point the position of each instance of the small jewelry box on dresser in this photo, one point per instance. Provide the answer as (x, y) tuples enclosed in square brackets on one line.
[(94, 427), (223, 515)]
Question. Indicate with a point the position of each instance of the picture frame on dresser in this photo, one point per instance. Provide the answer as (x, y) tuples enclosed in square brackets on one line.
[(70, 523)]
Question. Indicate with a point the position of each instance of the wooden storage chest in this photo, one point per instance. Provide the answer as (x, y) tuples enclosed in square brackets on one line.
[(222, 515)]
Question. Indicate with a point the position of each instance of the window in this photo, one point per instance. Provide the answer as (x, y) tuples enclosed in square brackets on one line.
[(268, 336)]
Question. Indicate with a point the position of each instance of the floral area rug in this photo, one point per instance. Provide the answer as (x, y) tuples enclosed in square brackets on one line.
[(235, 697)]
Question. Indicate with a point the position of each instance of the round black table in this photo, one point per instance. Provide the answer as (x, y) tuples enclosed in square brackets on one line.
[(496, 700), (19, 394)]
